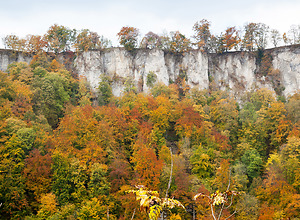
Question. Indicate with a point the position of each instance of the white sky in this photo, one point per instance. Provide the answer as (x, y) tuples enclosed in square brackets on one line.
[(107, 17)]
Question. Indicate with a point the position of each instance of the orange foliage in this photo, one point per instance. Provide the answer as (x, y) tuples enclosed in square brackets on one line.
[(231, 38), (147, 167), (202, 34), (179, 43), (182, 179), (38, 173), (222, 176), (128, 37), (35, 43), (266, 212), (80, 134), (55, 66), (188, 119), (278, 195)]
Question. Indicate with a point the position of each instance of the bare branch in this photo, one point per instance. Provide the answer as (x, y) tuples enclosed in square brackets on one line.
[(212, 211), (222, 208), (133, 214), (220, 213), (230, 202), (202, 195), (231, 215), (171, 172), (229, 175)]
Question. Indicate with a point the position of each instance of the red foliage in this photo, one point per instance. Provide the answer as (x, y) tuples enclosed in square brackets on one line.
[(119, 174)]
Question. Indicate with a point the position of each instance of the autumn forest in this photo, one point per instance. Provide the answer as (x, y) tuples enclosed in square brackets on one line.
[(67, 152)]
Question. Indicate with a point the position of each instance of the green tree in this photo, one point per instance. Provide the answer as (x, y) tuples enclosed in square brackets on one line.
[(69, 179), (105, 90), (50, 95), (253, 162), (7, 91), (290, 156), (151, 79), (247, 206), (202, 163), (20, 71), (94, 209), (271, 127), (98, 184), (255, 36), (293, 108), (179, 43), (59, 38), (129, 85), (224, 114), (202, 34), (12, 182), (84, 92), (128, 37)]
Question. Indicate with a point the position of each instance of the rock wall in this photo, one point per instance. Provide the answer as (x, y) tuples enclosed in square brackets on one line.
[(236, 71), (287, 61), (122, 65), (240, 71), (8, 56)]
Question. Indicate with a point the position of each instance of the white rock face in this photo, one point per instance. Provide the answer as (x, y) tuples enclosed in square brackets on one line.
[(287, 61), (122, 65), (196, 65), (233, 71), (90, 65), (236, 71), (7, 57)]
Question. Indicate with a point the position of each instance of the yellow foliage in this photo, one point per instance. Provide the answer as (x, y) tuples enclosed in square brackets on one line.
[(55, 66), (154, 212), (273, 160), (145, 196), (171, 203), (48, 206), (175, 217), (218, 198)]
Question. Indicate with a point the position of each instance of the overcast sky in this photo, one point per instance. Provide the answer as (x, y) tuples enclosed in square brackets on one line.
[(22, 17)]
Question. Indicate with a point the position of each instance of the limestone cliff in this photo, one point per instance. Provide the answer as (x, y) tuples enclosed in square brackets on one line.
[(8, 56), (287, 61), (120, 64), (277, 69), (236, 71)]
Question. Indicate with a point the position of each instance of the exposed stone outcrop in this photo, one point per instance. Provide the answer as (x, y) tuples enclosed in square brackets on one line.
[(8, 56), (287, 61), (121, 65), (236, 71)]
